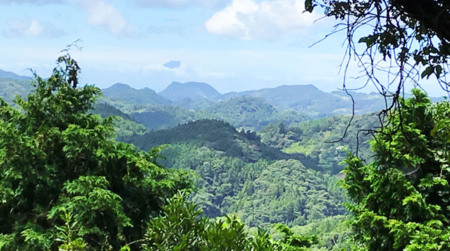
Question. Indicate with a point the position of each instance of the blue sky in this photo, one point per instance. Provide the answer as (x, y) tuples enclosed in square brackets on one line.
[(234, 45)]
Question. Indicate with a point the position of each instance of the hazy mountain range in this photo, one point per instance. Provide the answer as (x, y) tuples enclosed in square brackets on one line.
[(183, 102), (307, 99)]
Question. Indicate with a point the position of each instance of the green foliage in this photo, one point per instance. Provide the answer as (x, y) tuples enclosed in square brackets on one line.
[(286, 191), (401, 200), (125, 128), (237, 173), (291, 241), (64, 181), (105, 110), (182, 227), (179, 228), (332, 232), (227, 234), (68, 234)]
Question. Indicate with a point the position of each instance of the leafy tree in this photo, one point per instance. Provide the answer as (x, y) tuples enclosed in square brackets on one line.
[(293, 241), (64, 181), (413, 36), (401, 199), (182, 227)]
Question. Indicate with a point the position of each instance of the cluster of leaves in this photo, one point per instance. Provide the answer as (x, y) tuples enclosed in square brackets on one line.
[(64, 181), (182, 227), (401, 199)]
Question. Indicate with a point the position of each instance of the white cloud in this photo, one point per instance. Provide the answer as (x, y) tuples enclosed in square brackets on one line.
[(30, 28), (247, 19), (106, 16)]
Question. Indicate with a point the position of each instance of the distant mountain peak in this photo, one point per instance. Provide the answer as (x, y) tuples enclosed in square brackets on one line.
[(119, 86), (177, 91), (146, 95)]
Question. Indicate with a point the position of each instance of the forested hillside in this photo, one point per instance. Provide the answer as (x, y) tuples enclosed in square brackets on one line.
[(10, 87), (250, 113), (236, 168), (325, 140), (123, 93)]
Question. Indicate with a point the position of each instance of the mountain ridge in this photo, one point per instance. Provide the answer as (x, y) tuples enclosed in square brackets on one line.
[(177, 91), (12, 75), (124, 92)]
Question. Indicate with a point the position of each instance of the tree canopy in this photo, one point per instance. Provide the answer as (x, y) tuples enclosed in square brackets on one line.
[(65, 182), (401, 199)]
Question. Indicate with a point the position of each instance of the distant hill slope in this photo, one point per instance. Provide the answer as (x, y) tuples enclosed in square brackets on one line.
[(319, 139), (310, 100), (161, 117), (125, 93), (106, 110), (234, 168), (214, 134), (12, 84), (12, 75), (286, 95), (250, 112), (177, 92), (124, 125), (9, 88)]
